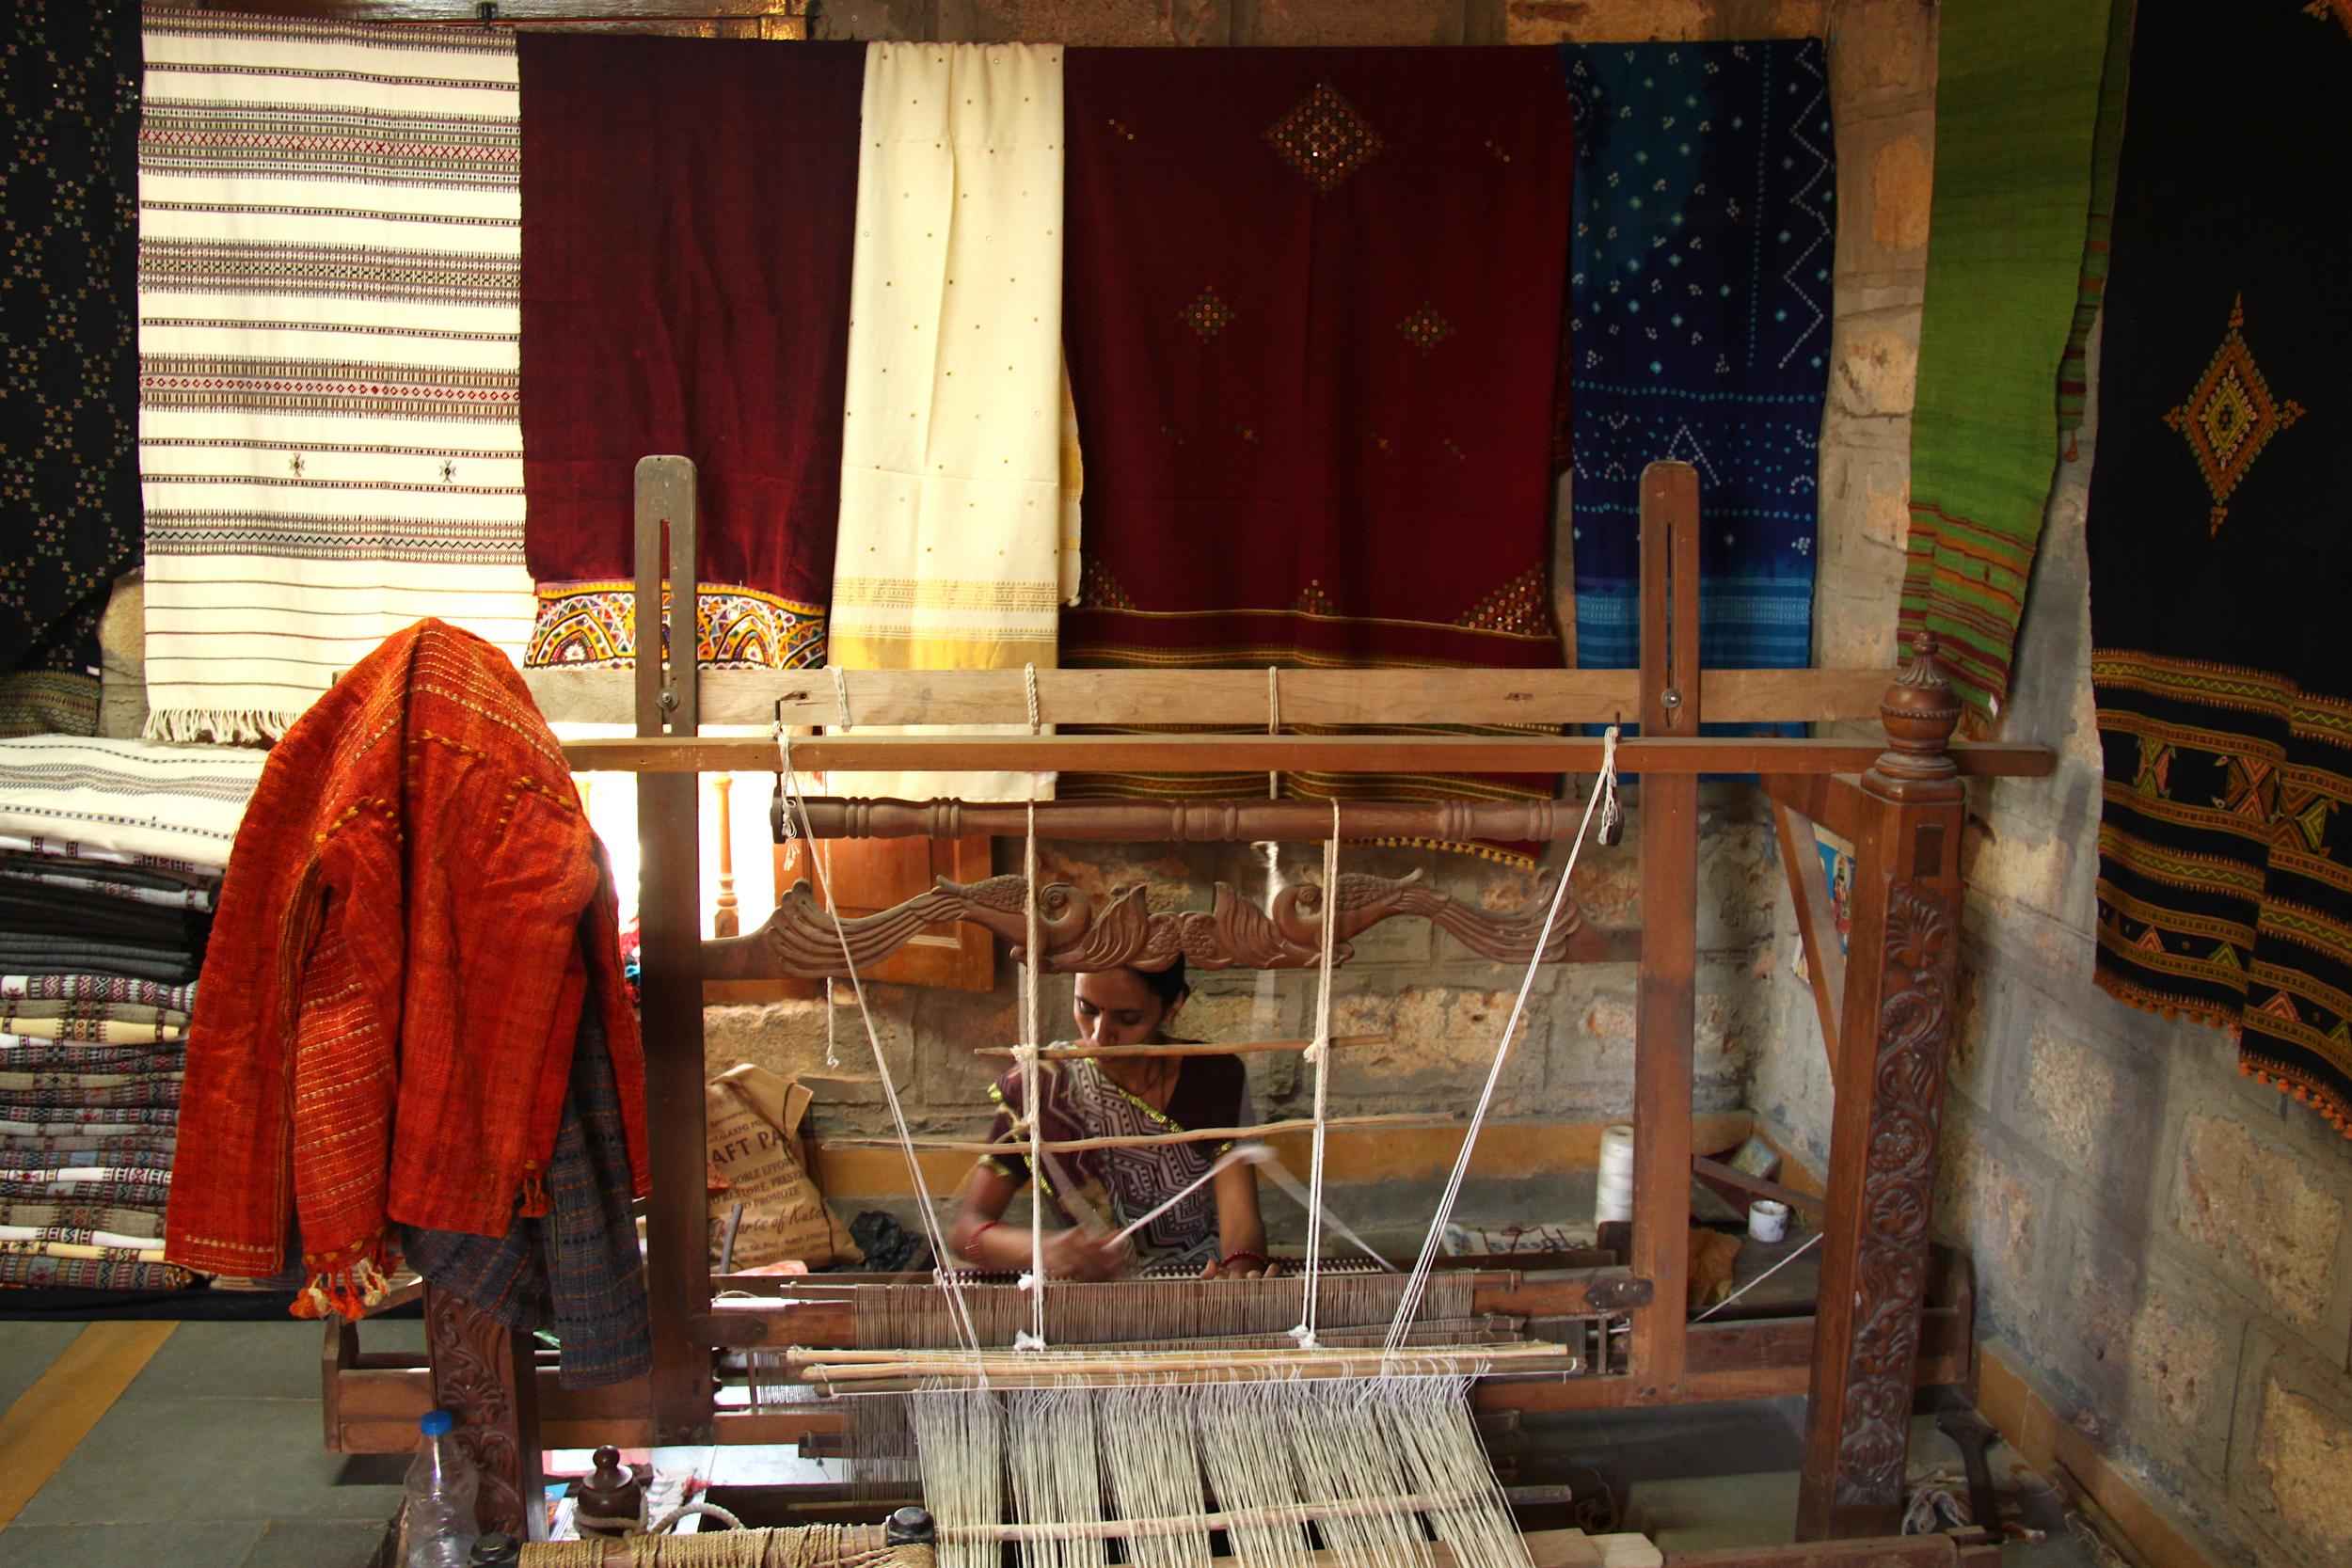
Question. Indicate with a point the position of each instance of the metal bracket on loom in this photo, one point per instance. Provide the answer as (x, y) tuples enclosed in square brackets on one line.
[(665, 533)]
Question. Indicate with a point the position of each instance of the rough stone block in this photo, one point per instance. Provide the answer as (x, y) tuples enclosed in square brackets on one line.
[(871, 19), (789, 1037), (1984, 1204), (1441, 1039), (1662, 20), (2303, 1451), (2261, 1212), (1853, 631), (1316, 23), (1901, 183), (2074, 1096), (1090, 24), (1609, 21), (2158, 1362), (1876, 365), (1868, 494), (1883, 53)]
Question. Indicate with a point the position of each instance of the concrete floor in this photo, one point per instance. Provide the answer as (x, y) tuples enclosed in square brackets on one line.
[(209, 1457)]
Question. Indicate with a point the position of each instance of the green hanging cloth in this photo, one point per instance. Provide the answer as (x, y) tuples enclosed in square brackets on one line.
[(2017, 114)]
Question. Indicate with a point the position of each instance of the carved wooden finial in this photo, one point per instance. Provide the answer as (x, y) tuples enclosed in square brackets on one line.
[(1920, 711)]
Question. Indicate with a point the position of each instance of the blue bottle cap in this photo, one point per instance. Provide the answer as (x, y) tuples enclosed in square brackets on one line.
[(435, 1422)]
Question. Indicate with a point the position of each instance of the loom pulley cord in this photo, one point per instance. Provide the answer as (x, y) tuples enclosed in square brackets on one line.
[(948, 1279)]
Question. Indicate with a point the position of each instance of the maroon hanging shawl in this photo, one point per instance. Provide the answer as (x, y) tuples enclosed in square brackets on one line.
[(688, 209), (1312, 303)]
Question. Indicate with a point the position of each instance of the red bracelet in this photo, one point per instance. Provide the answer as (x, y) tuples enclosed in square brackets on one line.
[(972, 1242), (1227, 1262)]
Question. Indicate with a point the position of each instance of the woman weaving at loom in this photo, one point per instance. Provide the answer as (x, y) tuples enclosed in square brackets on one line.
[(1100, 1193)]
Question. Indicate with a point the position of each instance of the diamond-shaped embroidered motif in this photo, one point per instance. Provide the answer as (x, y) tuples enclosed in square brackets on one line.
[(2231, 416), (1324, 138), (1425, 330), (1207, 316)]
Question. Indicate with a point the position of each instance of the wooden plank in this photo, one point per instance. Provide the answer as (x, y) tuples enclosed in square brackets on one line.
[(1825, 954), (1756, 1184), (1664, 1018), (1261, 753), (1228, 698)]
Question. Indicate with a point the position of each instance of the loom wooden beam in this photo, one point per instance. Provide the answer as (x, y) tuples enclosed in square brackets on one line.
[(1211, 1048), (670, 927), (1224, 698), (800, 938), (1201, 821), (1895, 1023), (1145, 1140), (1665, 1015), (1289, 753)]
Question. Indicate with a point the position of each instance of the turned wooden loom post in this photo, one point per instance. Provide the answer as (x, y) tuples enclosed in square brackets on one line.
[(669, 917), (1665, 1014), (1894, 1023)]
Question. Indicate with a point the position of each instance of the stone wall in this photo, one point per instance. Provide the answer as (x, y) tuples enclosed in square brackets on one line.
[(2161, 1243)]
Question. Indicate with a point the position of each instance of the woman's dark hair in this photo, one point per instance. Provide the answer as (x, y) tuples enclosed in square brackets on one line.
[(1168, 984)]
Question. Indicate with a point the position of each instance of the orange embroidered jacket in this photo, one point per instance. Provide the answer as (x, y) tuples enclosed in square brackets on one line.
[(413, 915)]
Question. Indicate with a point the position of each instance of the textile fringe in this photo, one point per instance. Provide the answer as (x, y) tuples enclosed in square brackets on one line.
[(1460, 846), (534, 1204), (346, 1291), (2318, 1097), (193, 726), (2140, 1001)]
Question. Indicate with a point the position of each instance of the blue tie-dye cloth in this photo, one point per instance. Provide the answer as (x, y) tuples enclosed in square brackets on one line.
[(1706, 226)]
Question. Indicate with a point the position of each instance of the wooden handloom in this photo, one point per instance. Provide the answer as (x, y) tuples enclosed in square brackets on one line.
[(1885, 1004)]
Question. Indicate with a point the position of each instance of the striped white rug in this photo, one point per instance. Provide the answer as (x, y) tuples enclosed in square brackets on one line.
[(330, 264)]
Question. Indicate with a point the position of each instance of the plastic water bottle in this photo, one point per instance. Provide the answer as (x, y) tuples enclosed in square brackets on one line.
[(438, 1514)]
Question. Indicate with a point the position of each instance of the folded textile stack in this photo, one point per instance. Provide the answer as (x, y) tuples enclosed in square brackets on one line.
[(111, 854)]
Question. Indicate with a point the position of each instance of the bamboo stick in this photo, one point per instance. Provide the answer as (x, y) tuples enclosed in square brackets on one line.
[(1124, 1530), (1138, 1140), (1177, 1048), (1002, 1367)]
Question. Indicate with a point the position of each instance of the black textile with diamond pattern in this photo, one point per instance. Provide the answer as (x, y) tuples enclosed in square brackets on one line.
[(68, 418), (2220, 533)]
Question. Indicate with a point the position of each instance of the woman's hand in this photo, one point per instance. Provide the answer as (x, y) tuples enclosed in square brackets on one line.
[(1080, 1253), (1246, 1266)]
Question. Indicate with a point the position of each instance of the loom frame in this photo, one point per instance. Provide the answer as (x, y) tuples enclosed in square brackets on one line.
[(1899, 801)]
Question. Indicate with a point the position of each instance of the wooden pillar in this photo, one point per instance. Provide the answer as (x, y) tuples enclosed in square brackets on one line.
[(1664, 1015), (483, 1376), (1895, 1023), (669, 926)]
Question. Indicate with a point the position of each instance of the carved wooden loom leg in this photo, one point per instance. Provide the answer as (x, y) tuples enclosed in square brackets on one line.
[(483, 1375), (1889, 1074)]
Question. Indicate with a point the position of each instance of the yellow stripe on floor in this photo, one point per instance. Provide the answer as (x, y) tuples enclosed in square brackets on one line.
[(56, 1413)]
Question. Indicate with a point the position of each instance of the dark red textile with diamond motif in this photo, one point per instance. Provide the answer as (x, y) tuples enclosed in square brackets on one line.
[(1312, 303)]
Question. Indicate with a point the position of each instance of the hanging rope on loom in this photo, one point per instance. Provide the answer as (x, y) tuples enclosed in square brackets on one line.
[(1408, 1304), (1034, 1281), (949, 1280), (1319, 1054)]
